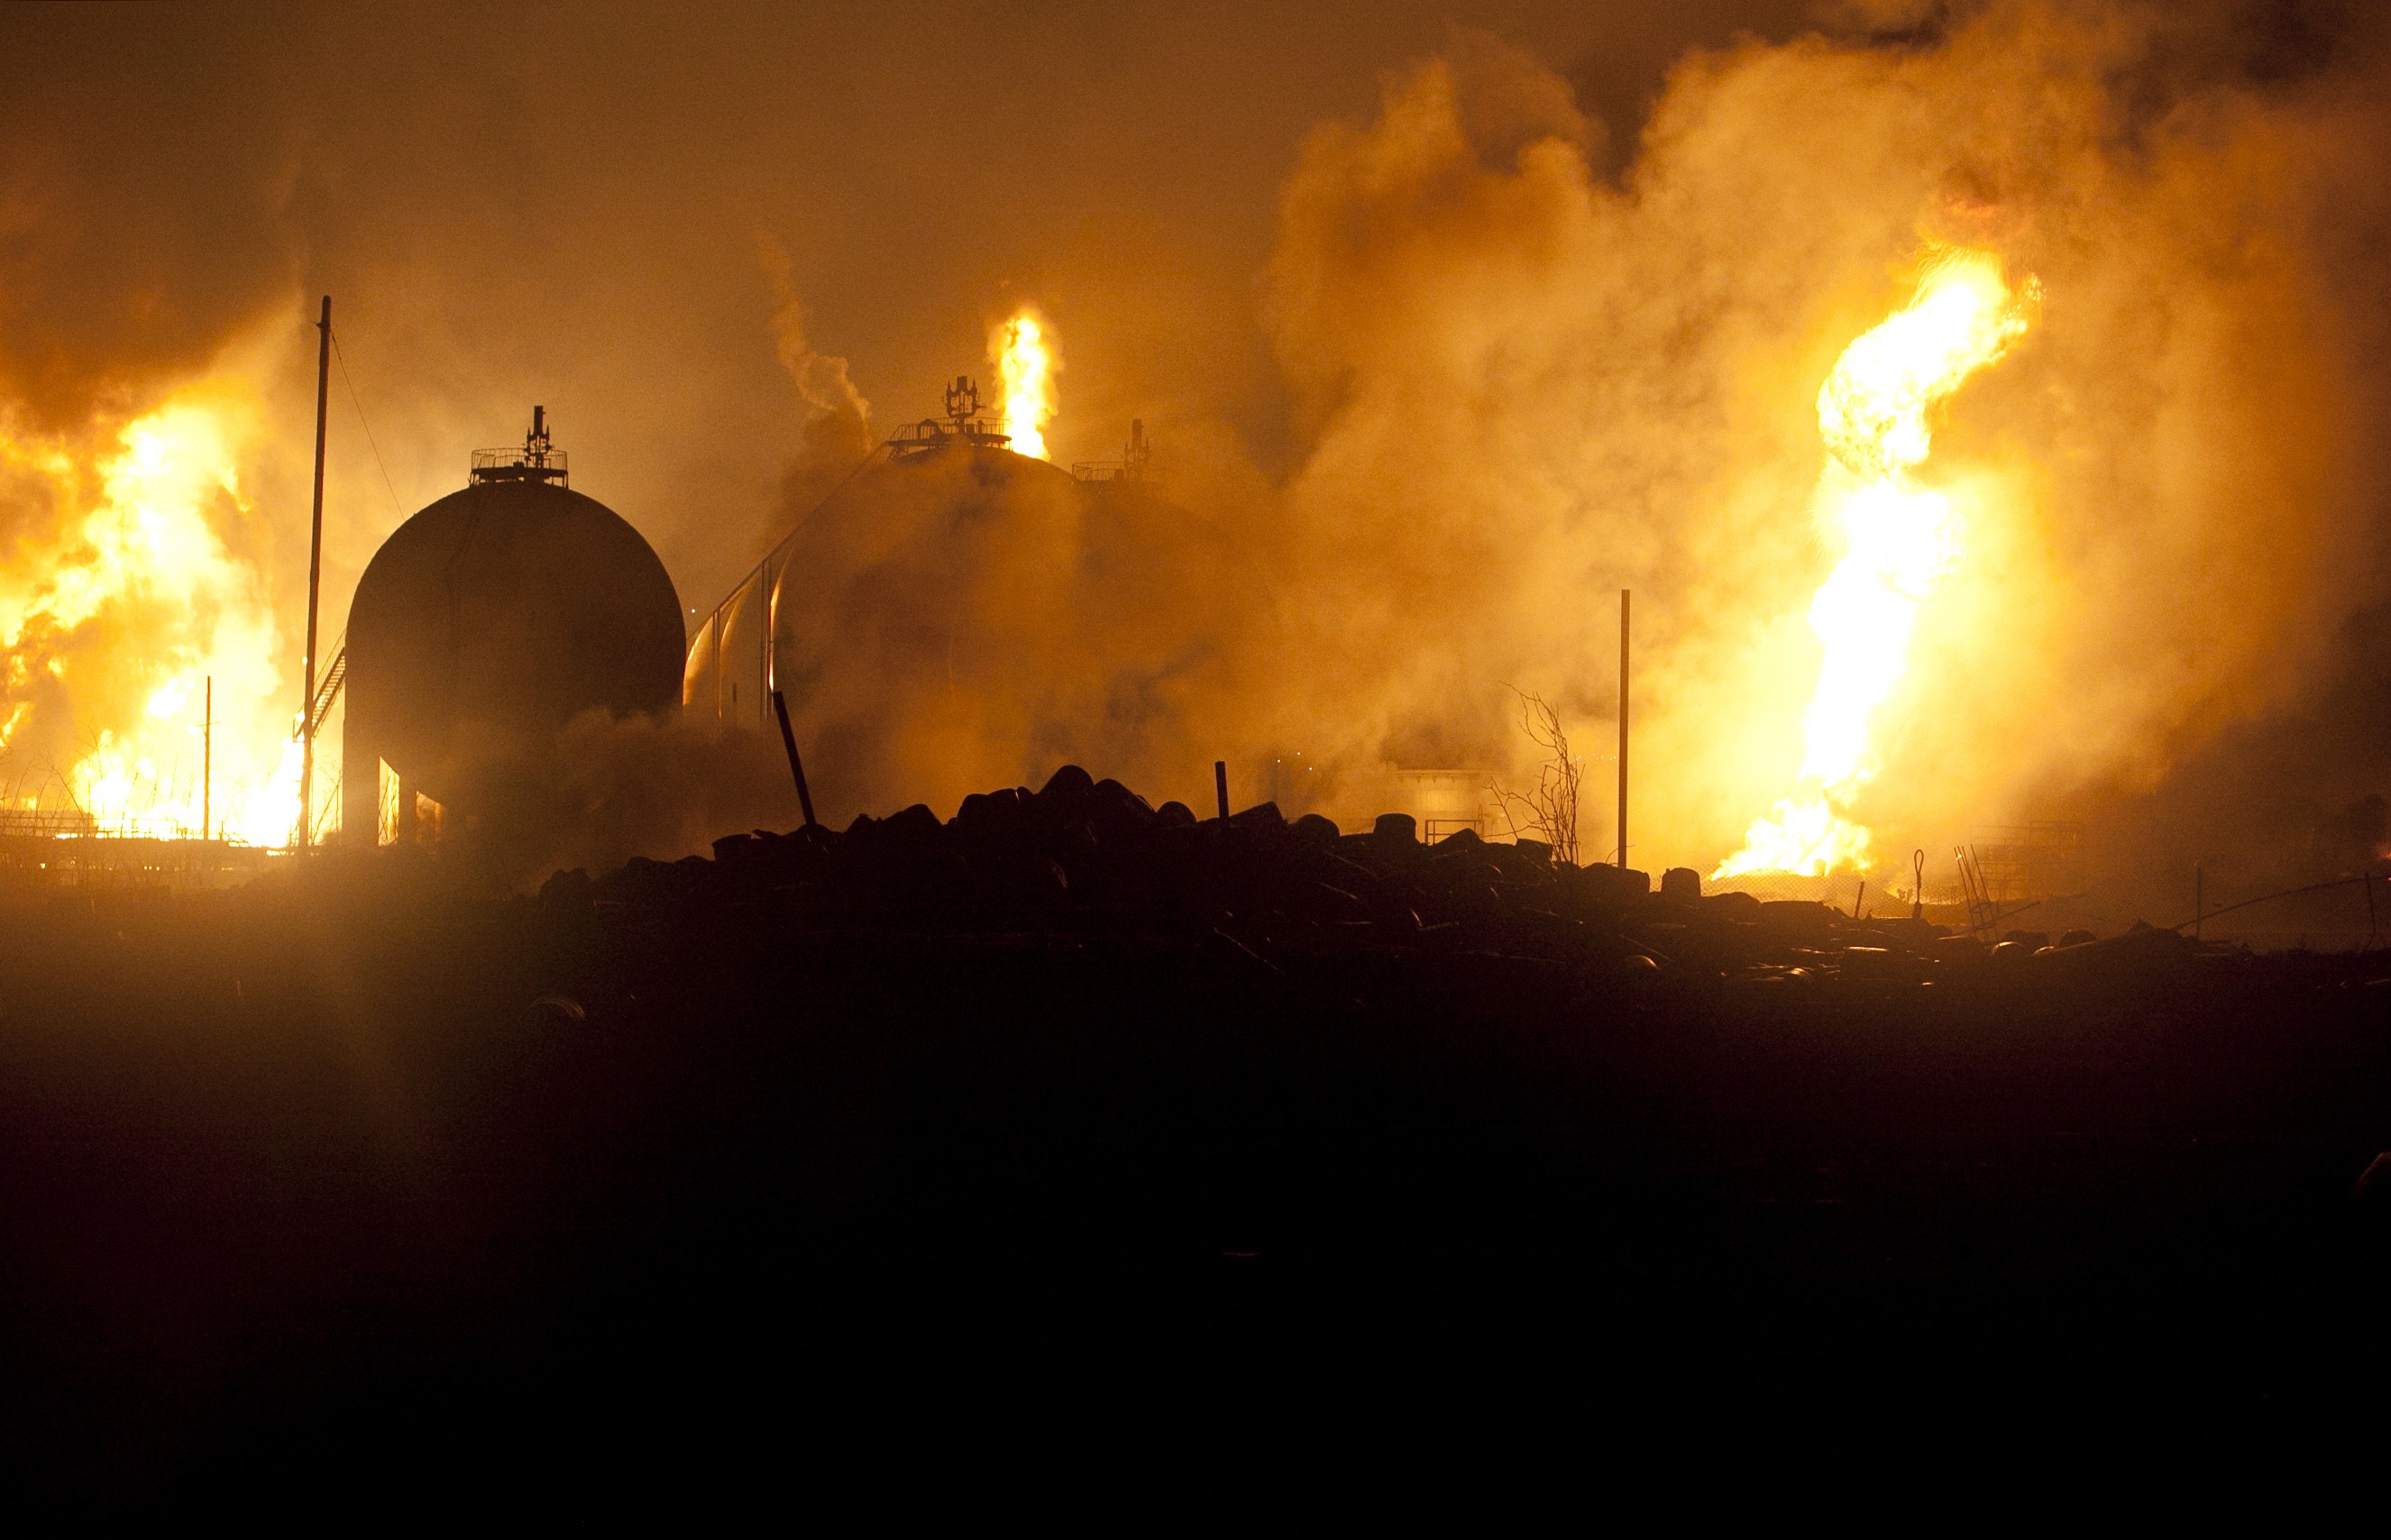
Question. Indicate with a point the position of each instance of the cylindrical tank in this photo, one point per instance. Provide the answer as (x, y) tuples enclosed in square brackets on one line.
[(482, 625), (954, 616), (917, 522)]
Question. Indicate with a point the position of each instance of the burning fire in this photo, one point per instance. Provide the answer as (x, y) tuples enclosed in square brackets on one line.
[(1899, 542), (1024, 371), (111, 625)]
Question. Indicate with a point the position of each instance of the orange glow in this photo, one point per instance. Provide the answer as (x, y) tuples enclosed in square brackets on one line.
[(1024, 352), (133, 603), (1899, 542)]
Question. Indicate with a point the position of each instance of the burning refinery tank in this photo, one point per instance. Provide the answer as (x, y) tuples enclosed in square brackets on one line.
[(483, 625), (942, 604)]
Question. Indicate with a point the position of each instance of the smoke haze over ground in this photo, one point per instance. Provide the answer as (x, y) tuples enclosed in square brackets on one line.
[(1448, 322)]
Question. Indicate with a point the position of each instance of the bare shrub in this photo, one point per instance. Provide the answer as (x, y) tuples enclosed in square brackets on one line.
[(1548, 812)]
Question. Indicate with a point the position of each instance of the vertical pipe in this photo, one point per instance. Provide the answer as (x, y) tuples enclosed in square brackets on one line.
[(208, 763), (1220, 785), (315, 580), (1622, 727), (771, 619)]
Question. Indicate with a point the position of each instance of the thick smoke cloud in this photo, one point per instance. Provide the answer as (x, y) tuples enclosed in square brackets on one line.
[(1534, 388), (613, 787), (1521, 388)]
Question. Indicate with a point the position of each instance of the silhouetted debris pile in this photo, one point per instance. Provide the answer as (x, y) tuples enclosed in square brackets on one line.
[(1088, 859), (1070, 1115)]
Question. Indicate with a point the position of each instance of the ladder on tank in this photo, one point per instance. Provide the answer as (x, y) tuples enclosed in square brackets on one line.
[(328, 690)]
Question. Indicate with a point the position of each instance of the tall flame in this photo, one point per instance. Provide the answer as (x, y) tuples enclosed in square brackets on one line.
[(111, 627), (1024, 370), (1900, 542)]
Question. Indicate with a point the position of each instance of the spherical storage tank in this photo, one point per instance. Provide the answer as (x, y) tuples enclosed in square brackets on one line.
[(482, 625)]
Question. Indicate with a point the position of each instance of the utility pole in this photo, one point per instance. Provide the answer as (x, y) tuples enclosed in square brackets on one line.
[(208, 763), (315, 582), (1622, 727)]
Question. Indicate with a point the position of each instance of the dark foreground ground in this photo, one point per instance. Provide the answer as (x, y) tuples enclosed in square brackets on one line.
[(906, 1141)]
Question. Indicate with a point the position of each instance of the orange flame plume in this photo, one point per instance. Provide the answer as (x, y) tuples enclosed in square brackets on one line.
[(1900, 542), (108, 632), (1024, 350)]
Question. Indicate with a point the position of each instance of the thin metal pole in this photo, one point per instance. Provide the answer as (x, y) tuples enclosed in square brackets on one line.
[(208, 763), (315, 582), (1622, 727), (796, 765), (1220, 785)]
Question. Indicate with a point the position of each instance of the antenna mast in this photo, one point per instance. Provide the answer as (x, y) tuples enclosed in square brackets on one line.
[(315, 583)]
